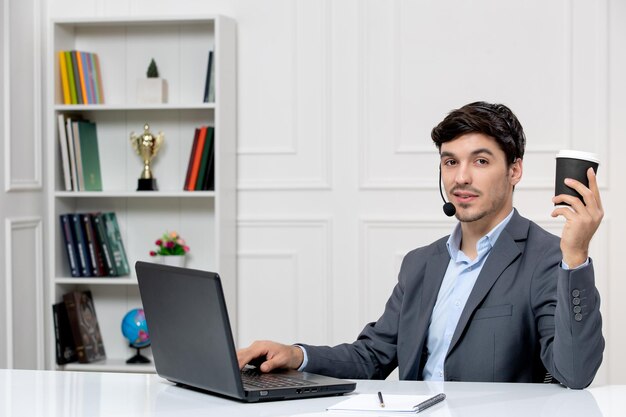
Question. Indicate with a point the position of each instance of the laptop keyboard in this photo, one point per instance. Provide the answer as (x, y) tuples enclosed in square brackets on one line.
[(253, 379)]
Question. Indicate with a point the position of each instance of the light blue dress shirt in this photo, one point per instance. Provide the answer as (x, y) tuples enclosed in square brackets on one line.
[(455, 289)]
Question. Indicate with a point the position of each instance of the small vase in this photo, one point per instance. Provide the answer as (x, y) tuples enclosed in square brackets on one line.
[(173, 260)]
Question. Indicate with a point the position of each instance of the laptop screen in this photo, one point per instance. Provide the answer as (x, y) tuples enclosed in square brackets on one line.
[(191, 337)]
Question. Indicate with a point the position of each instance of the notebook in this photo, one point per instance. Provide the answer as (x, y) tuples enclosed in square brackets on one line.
[(192, 342)]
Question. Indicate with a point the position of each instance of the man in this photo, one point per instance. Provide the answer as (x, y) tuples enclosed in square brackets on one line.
[(500, 299)]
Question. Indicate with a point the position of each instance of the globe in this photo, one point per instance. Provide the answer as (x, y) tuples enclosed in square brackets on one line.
[(135, 329)]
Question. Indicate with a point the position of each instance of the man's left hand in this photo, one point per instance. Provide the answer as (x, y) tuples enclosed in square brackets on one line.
[(582, 220)]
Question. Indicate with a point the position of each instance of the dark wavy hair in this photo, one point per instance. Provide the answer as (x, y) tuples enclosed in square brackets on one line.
[(495, 120)]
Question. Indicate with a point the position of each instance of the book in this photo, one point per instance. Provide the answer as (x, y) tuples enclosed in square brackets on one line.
[(197, 158), (89, 155), (93, 77), (204, 161), (70, 244), (84, 261), (95, 255), (194, 146), (114, 236), (70, 77), (98, 76), (78, 159), (103, 244), (72, 153), (64, 341), (90, 77), (212, 83), (79, 93), (207, 81), (207, 181), (84, 59), (82, 76), (65, 156), (65, 87), (81, 313)]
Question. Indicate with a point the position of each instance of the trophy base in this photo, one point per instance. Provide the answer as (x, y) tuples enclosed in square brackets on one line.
[(147, 184)]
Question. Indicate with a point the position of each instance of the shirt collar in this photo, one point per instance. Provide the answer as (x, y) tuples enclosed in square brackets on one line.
[(483, 245)]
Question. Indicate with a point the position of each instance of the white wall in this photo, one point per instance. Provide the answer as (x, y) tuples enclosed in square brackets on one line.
[(337, 174)]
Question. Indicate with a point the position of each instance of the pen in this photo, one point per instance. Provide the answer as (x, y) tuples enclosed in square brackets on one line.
[(380, 399), (429, 402)]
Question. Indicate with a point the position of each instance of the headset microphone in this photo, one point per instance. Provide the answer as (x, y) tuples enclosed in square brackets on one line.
[(448, 207)]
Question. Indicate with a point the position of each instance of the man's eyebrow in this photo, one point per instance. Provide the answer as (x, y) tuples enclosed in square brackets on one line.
[(447, 154), (482, 150)]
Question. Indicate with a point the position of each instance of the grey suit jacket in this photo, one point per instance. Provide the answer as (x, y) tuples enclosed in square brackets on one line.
[(520, 319)]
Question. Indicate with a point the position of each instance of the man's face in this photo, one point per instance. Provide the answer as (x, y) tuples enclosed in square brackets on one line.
[(478, 178)]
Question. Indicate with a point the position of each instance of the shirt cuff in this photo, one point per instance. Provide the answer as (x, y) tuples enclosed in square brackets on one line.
[(567, 268), (305, 361)]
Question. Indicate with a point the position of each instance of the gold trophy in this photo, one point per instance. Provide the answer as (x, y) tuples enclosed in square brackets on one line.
[(147, 146)]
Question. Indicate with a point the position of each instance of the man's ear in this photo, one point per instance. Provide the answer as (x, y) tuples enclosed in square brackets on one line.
[(516, 170)]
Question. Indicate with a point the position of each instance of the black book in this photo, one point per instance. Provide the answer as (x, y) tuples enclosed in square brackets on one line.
[(84, 260), (84, 324), (208, 182), (65, 347), (70, 244), (207, 82), (95, 255)]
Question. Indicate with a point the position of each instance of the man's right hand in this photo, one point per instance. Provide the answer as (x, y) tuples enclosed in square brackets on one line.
[(272, 356)]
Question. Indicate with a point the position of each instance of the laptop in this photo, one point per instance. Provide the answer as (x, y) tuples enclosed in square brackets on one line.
[(192, 343)]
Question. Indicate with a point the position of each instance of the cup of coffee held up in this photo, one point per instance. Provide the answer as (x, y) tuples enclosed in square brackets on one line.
[(573, 164)]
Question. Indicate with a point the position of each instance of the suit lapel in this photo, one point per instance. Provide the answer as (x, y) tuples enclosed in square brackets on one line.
[(505, 251), (433, 276)]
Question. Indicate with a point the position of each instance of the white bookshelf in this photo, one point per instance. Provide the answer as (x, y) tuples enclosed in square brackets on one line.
[(206, 219)]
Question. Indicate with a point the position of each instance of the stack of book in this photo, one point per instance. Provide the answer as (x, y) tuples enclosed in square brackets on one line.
[(81, 81), (94, 245), (201, 170), (76, 329), (79, 154)]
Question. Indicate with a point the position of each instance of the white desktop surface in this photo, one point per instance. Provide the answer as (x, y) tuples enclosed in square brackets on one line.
[(86, 394)]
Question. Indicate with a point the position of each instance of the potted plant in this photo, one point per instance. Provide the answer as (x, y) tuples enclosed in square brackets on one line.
[(152, 89), (171, 249)]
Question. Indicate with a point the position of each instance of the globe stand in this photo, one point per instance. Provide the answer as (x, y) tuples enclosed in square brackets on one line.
[(138, 358)]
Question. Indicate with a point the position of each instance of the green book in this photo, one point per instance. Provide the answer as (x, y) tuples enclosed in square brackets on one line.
[(89, 155), (70, 76), (204, 162), (114, 237)]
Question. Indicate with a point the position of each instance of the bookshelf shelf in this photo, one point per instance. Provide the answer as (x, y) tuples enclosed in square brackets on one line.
[(132, 107), (205, 219), (96, 281), (110, 365), (134, 194)]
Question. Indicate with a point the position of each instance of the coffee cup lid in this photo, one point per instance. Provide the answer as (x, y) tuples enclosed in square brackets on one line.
[(586, 156)]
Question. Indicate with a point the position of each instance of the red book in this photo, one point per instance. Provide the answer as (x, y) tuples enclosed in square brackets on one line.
[(187, 186), (197, 158)]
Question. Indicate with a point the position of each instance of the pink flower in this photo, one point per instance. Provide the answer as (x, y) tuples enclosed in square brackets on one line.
[(186, 248), (169, 244)]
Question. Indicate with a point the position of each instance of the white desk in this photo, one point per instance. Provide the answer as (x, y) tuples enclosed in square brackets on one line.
[(87, 394)]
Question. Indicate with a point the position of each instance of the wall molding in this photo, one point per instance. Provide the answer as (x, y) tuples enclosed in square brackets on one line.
[(35, 183), (324, 224), (324, 163), (35, 225)]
